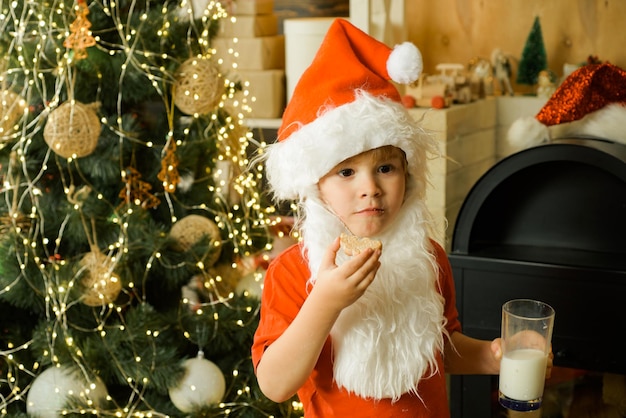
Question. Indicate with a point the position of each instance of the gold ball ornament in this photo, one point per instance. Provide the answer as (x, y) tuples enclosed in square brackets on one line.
[(191, 229), (101, 286), (202, 385), (12, 107), (198, 86), (223, 278), (72, 129)]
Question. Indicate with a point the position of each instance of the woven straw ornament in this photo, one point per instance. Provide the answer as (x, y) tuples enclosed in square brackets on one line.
[(72, 129), (12, 107), (101, 286), (191, 229), (198, 86)]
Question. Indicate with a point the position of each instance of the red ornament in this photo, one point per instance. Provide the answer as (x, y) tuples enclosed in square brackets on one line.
[(408, 101), (438, 102)]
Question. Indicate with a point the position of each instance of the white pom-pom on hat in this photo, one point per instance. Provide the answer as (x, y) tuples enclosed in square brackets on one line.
[(405, 63)]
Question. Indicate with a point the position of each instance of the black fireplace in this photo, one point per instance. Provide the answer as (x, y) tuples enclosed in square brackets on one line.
[(546, 223)]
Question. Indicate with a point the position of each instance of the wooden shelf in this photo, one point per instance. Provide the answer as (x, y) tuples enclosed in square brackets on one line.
[(264, 123)]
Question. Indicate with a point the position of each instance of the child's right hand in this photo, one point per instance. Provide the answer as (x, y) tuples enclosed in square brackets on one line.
[(341, 286)]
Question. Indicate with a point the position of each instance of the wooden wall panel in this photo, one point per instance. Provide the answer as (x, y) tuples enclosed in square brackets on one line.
[(459, 30)]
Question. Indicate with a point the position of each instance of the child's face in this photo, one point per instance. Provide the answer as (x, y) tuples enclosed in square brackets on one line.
[(366, 191)]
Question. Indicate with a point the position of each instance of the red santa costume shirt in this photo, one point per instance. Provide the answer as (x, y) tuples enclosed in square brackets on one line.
[(285, 290)]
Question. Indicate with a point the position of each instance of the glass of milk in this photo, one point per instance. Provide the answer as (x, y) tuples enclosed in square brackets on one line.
[(526, 337)]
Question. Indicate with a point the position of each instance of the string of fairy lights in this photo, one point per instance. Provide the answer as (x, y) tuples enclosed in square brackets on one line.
[(59, 32)]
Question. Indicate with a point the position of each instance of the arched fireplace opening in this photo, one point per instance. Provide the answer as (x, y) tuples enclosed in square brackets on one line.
[(547, 223)]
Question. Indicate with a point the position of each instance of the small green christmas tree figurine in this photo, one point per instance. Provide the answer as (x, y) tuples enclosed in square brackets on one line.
[(128, 215), (534, 57)]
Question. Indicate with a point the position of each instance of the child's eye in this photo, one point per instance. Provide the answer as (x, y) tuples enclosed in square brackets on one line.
[(385, 168), (346, 172)]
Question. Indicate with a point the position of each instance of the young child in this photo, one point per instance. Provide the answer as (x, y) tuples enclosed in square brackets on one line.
[(371, 334)]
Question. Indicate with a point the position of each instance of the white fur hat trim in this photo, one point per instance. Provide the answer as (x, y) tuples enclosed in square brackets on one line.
[(606, 123), (294, 166)]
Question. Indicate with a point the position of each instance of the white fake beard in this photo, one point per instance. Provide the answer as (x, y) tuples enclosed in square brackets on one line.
[(388, 339)]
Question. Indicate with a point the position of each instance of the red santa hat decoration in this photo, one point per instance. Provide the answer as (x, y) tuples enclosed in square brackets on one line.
[(591, 102), (344, 103)]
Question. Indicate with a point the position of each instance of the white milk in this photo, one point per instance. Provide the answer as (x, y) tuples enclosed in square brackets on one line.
[(523, 373)]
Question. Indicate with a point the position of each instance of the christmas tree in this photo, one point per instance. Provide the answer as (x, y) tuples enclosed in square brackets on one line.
[(130, 222), (534, 58)]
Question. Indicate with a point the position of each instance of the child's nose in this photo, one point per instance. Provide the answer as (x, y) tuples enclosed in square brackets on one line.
[(370, 187)]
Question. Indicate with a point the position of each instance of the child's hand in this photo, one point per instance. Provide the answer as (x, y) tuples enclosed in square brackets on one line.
[(496, 350), (340, 286), (549, 364)]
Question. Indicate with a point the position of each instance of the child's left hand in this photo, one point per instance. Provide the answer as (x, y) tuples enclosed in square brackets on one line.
[(496, 350)]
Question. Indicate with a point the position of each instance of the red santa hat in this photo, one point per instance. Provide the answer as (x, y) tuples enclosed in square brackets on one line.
[(344, 104), (591, 102)]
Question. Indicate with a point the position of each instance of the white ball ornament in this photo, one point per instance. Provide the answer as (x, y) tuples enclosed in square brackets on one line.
[(251, 284), (202, 385), (56, 386)]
